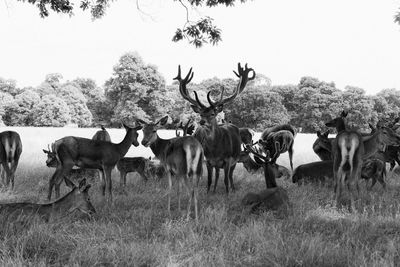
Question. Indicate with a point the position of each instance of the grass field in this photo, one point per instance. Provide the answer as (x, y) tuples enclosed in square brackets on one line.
[(136, 230)]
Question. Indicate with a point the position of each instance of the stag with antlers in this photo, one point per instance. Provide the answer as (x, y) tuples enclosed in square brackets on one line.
[(221, 143)]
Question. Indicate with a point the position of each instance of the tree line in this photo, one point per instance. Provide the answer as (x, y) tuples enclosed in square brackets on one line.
[(138, 90)]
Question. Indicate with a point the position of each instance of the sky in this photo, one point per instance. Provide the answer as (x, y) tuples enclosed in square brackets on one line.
[(348, 42)]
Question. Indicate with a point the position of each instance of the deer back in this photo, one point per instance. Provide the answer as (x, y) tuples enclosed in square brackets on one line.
[(314, 171), (277, 128), (10, 146)]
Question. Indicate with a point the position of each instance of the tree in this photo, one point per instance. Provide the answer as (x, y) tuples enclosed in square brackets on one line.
[(196, 33), (76, 102), (51, 111), (135, 87), (25, 104)]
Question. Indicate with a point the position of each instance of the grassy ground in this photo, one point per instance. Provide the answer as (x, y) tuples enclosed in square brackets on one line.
[(136, 230)]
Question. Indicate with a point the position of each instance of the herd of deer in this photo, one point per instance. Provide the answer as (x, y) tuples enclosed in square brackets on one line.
[(219, 145)]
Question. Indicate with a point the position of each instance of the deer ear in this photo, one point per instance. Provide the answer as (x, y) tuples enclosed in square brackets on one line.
[(163, 121), (318, 133), (326, 133), (46, 151)]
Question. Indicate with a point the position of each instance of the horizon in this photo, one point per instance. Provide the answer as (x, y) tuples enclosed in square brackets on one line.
[(333, 42)]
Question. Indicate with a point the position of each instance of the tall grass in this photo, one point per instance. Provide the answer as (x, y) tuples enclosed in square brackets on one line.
[(136, 230)]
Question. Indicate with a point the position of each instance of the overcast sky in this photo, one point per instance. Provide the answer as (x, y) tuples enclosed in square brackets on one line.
[(348, 42)]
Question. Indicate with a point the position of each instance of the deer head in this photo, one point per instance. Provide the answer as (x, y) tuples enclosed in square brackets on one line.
[(133, 132), (80, 199), (150, 130), (209, 113), (51, 160), (338, 122), (188, 128)]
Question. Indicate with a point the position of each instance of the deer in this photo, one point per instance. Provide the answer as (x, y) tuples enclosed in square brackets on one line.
[(188, 128), (286, 127), (102, 135), (221, 143), (246, 135), (92, 154), (182, 158), (10, 152), (76, 200), (270, 167), (144, 166), (350, 149), (323, 146), (75, 175), (277, 143)]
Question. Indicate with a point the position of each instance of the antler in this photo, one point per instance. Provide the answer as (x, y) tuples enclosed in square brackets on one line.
[(249, 148), (183, 90), (243, 75)]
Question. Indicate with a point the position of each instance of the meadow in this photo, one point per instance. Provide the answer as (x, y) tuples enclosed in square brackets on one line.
[(136, 230)]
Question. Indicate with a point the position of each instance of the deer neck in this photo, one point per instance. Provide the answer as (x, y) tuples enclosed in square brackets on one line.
[(126, 143), (159, 147), (340, 126), (371, 145), (212, 136)]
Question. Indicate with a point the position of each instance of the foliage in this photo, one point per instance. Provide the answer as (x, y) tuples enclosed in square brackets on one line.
[(51, 111), (26, 103), (135, 90), (197, 33)]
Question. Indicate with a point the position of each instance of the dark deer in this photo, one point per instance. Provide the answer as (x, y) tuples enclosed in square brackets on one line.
[(246, 135), (10, 151), (221, 143), (143, 166), (277, 143), (76, 200), (91, 154), (323, 146), (75, 175), (286, 127), (182, 158), (102, 135)]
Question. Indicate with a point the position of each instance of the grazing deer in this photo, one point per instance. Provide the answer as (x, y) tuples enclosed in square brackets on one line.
[(77, 199), (92, 154), (102, 135), (350, 149), (221, 143), (188, 128), (251, 165), (75, 175), (286, 127), (182, 158), (10, 151), (270, 167), (323, 146), (277, 143)]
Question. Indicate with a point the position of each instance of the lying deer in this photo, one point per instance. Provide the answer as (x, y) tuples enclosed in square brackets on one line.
[(10, 151), (75, 175), (144, 167), (77, 199)]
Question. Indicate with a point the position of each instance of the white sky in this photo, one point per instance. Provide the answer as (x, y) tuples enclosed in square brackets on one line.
[(349, 42)]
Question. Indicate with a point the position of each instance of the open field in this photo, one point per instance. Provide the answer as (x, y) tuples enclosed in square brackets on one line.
[(135, 231)]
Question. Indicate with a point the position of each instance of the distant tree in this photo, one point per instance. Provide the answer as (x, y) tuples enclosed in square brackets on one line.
[(288, 93), (51, 111), (76, 102), (96, 100), (25, 102), (135, 88), (196, 32), (9, 86)]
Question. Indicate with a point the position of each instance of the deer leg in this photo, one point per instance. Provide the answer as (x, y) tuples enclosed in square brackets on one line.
[(103, 182), (226, 178), (7, 171), (209, 175), (121, 179), (232, 168), (58, 176), (108, 183), (216, 178), (179, 194), (169, 191), (189, 188), (14, 165), (392, 165), (290, 151)]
